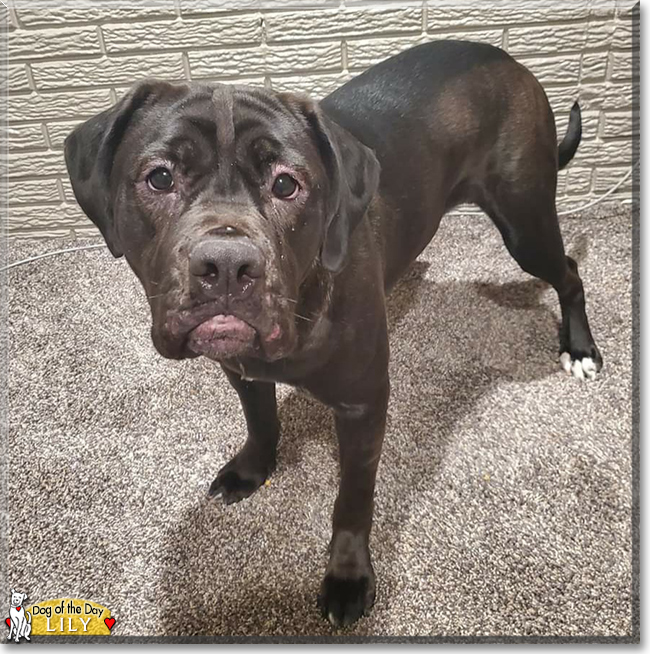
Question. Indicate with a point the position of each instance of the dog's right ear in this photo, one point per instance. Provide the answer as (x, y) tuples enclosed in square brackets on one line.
[(89, 152), (353, 171)]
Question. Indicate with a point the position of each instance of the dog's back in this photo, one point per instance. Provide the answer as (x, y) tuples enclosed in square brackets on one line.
[(441, 112)]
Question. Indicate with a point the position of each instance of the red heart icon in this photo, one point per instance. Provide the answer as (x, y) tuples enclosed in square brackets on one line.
[(18, 608), (109, 622), (8, 621)]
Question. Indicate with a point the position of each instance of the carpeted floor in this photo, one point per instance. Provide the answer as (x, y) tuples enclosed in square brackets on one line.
[(504, 494)]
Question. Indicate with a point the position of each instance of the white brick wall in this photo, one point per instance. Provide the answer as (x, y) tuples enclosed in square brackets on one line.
[(67, 61)]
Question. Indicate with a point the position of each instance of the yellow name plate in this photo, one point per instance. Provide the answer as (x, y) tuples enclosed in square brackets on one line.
[(70, 617)]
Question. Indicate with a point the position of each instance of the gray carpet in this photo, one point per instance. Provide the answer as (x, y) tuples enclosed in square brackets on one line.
[(504, 494)]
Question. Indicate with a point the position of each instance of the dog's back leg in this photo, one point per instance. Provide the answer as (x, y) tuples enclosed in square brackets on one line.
[(526, 216), (27, 629)]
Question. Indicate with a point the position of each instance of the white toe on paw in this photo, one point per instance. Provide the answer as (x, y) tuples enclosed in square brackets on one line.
[(565, 361), (580, 368), (576, 370), (589, 368)]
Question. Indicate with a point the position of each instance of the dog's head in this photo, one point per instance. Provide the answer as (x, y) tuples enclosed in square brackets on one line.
[(223, 200), (17, 598)]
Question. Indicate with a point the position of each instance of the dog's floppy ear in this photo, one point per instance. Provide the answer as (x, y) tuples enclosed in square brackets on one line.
[(89, 152), (353, 171)]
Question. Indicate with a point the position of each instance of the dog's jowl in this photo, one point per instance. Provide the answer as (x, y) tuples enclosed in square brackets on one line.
[(267, 228)]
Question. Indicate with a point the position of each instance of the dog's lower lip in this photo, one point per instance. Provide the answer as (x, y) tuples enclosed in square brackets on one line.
[(221, 335)]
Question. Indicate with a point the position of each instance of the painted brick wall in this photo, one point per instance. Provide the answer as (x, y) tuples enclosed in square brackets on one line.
[(69, 61)]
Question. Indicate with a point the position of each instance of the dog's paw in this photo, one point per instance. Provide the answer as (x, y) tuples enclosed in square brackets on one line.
[(581, 367), (344, 601), (236, 481)]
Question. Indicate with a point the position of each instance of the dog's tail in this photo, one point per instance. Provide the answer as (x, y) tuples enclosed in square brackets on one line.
[(571, 139)]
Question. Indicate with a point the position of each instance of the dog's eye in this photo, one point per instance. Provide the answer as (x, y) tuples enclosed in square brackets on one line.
[(160, 179), (285, 187)]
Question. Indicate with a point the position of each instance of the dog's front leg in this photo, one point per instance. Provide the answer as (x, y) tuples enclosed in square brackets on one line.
[(252, 465), (348, 589), (12, 627)]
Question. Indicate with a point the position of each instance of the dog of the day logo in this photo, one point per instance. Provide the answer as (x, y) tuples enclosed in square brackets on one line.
[(57, 617), (19, 620)]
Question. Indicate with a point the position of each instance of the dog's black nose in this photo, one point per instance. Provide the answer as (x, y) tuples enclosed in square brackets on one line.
[(226, 266)]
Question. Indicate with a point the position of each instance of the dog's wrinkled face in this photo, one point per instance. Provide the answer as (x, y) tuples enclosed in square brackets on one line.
[(223, 199)]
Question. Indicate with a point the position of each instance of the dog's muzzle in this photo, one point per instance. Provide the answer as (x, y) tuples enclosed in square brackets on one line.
[(227, 272)]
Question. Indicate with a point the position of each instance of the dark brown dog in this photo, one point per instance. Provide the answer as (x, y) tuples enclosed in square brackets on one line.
[(266, 230)]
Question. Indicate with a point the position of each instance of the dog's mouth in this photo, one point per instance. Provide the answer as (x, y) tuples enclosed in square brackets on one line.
[(222, 336), (216, 332)]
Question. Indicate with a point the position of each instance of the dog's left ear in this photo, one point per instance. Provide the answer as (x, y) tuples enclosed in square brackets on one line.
[(353, 171)]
